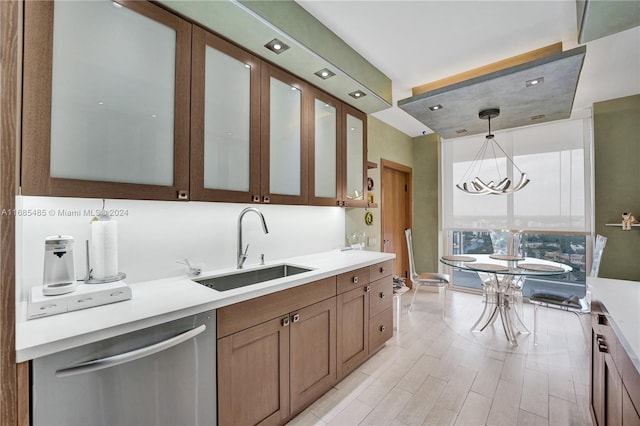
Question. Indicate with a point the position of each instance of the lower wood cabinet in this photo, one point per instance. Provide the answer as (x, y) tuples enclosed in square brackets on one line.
[(270, 370), (614, 379), (253, 375), (280, 352), (365, 314), (353, 329), (312, 353)]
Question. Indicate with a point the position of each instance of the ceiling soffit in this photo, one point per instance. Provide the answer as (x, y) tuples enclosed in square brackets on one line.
[(505, 89), (313, 47)]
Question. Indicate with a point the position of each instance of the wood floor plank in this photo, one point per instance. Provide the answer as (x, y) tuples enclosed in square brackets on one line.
[(488, 376), (417, 374), (389, 408), (506, 404), (422, 402), (475, 410), (563, 412), (353, 414), (535, 393), (529, 419), (456, 390)]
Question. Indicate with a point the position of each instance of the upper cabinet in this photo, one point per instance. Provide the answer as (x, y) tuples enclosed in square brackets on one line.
[(284, 161), (355, 164), (225, 121), (127, 100), (325, 150), (106, 100)]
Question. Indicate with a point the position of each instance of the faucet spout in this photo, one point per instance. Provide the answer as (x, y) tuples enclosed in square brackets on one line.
[(242, 255)]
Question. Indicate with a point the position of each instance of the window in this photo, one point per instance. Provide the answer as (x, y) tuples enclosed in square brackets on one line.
[(554, 210)]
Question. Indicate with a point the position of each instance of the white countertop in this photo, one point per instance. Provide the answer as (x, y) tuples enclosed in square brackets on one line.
[(159, 301), (621, 300)]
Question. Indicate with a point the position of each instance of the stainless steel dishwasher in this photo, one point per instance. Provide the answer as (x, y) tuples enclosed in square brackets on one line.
[(161, 375)]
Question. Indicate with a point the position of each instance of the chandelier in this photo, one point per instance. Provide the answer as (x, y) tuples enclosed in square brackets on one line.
[(477, 186)]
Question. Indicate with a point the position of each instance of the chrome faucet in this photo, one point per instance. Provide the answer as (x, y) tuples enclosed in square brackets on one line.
[(242, 256)]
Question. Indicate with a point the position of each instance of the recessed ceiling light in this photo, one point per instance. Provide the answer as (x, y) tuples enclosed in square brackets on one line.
[(325, 73), (538, 117), (534, 82), (461, 131), (435, 107), (276, 46), (357, 94)]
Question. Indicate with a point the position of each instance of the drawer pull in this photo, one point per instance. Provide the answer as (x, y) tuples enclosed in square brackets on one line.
[(382, 295), (367, 288), (285, 322), (295, 317), (45, 307), (383, 270), (355, 280), (382, 328), (86, 299), (603, 348)]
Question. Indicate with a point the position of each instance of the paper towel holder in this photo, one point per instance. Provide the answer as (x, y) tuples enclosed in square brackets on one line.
[(88, 279)]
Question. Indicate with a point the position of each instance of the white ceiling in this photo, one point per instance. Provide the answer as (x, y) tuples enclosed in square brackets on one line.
[(417, 42)]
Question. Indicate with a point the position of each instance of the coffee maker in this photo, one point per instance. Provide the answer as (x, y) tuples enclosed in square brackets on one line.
[(59, 266)]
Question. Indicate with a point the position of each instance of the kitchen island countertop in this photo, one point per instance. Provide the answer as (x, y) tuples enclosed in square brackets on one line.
[(159, 301), (621, 301)]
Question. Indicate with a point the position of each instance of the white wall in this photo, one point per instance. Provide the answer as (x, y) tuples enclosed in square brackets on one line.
[(153, 235)]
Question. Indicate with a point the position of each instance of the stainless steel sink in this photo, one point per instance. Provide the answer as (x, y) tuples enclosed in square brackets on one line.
[(244, 278)]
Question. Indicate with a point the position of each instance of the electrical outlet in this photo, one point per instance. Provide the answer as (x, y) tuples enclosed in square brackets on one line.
[(372, 241)]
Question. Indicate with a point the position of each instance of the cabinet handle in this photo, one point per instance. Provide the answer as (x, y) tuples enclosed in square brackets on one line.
[(367, 289), (355, 280), (295, 317), (382, 328), (602, 320), (265, 199), (603, 348), (383, 270), (285, 322), (255, 198), (382, 295), (183, 195)]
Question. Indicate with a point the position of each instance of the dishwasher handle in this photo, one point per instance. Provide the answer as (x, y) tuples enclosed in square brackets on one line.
[(99, 364)]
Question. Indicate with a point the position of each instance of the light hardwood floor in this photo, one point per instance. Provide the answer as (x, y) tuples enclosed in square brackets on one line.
[(437, 372)]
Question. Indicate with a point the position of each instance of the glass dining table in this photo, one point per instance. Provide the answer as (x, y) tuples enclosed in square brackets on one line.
[(502, 277)]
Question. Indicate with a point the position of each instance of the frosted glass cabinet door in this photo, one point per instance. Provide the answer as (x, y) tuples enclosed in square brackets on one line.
[(324, 150), (284, 138), (225, 127), (356, 155), (111, 105)]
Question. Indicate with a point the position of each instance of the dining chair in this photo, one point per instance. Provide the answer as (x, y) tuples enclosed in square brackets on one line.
[(571, 303), (433, 279)]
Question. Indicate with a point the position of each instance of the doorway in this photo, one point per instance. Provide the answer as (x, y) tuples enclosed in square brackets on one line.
[(396, 215)]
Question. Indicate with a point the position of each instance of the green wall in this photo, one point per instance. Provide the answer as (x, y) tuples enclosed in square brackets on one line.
[(616, 126), (422, 155), (383, 142), (426, 202)]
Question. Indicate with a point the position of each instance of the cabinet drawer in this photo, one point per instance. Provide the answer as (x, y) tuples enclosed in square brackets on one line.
[(352, 279), (380, 329), (380, 270), (381, 296), (242, 315)]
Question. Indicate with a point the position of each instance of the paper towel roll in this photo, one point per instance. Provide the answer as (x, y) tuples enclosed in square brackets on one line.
[(104, 248)]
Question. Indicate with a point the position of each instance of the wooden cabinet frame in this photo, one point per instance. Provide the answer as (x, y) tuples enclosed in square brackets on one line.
[(347, 109), (202, 39), (269, 71), (36, 130), (340, 148)]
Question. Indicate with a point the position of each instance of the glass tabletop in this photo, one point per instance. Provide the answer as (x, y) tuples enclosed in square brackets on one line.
[(495, 265)]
